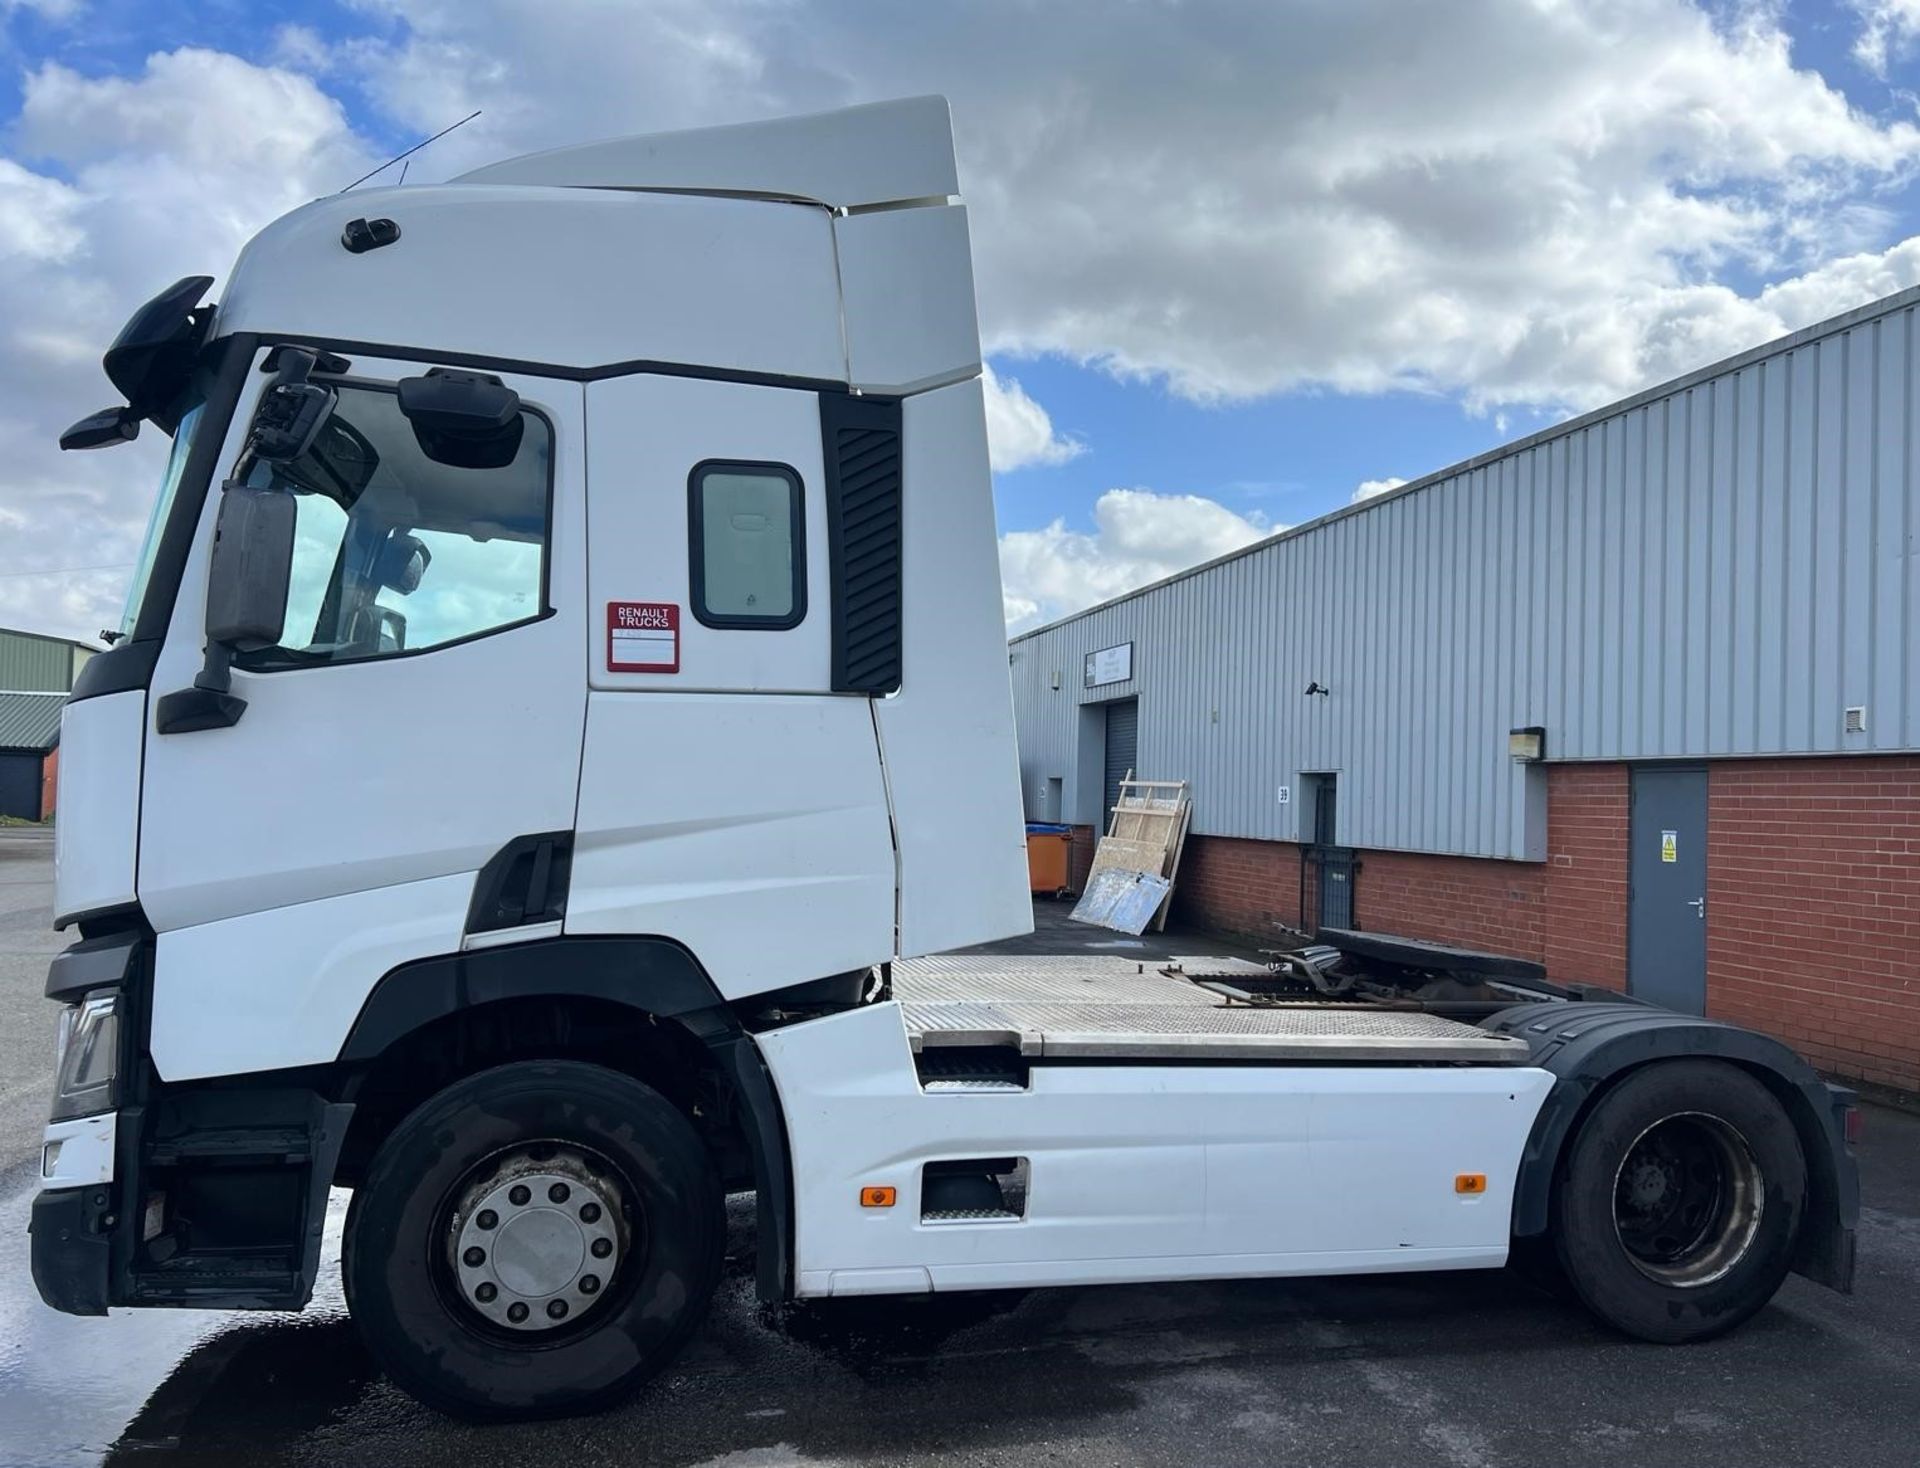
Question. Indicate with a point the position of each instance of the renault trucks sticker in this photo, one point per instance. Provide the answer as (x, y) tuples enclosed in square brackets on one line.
[(643, 637)]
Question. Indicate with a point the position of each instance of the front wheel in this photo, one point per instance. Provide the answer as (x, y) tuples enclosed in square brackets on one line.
[(533, 1241), (1679, 1206)]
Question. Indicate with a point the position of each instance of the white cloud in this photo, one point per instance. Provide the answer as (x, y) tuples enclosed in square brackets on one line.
[(116, 187), (1238, 200), (1019, 431), (1138, 537), (49, 9), (1370, 487), (1886, 26), (1230, 200)]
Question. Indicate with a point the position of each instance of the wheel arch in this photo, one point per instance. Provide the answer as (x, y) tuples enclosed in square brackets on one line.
[(643, 1005), (1590, 1048)]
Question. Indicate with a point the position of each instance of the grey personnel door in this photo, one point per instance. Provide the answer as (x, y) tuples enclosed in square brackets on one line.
[(1123, 746), (1667, 889)]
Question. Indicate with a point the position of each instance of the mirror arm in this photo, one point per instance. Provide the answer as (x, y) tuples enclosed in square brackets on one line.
[(209, 704)]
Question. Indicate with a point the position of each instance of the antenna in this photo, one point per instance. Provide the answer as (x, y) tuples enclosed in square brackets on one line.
[(411, 151)]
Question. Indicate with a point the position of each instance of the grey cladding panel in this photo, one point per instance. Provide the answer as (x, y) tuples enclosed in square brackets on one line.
[(1720, 568)]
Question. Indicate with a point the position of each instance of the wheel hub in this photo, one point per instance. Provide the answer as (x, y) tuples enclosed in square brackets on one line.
[(1687, 1200), (537, 1241)]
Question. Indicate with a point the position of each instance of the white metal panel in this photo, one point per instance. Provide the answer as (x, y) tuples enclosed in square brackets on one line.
[(97, 837), (907, 279), (1714, 568), (1145, 1171), (878, 153), (573, 277), (368, 774), (646, 435), (76, 1153), (947, 735), (751, 830), (283, 986)]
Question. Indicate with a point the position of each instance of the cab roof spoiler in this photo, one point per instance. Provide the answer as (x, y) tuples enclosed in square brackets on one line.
[(880, 154)]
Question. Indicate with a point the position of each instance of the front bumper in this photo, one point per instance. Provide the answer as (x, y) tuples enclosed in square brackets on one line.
[(72, 1232)]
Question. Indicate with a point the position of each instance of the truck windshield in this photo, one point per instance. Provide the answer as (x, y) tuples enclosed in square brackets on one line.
[(162, 507)]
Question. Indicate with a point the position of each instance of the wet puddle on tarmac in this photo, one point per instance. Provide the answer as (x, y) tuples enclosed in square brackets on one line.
[(79, 1391)]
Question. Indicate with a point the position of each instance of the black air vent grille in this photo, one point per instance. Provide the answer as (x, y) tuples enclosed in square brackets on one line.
[(862, 441)]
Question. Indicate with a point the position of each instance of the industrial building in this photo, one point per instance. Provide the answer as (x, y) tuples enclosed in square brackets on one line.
[(36, 673), (1635, 697)]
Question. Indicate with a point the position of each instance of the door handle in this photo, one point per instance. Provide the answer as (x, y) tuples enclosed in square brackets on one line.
[(1699, 906)]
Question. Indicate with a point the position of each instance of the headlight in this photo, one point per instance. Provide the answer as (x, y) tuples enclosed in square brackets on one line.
[(88, 1057)]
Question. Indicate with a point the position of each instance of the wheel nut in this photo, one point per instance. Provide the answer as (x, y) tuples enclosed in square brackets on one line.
[(558, 1193), (485, 1294), (556, 1309), (516, 1312), (589, 1284), (488, 1218), (474, 1257), (602, 1248), (589, 1212), (519, 1195)]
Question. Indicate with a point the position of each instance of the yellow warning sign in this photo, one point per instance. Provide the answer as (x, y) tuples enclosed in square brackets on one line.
[(1669, 846)]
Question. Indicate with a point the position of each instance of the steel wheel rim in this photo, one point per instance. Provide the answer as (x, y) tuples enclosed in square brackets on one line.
[(1688, 1197), (536, 1240)]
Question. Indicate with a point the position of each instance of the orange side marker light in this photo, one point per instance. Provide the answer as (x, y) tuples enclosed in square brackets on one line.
[(1470, 1182), (880, 1197)]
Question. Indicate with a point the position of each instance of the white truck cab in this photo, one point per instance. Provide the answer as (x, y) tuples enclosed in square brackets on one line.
[(561, 703)]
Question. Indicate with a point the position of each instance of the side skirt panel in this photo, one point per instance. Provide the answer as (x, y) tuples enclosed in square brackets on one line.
[(1142, 1172)]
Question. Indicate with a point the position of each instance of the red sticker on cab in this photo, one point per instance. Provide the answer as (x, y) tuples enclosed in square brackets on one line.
[(643, 637)]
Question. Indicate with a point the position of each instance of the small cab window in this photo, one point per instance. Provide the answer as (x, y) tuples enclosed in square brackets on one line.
[(749, 545), (397, 552)]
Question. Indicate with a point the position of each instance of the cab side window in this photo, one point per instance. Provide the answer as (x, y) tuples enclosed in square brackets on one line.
[(396, 552), (748, 531)]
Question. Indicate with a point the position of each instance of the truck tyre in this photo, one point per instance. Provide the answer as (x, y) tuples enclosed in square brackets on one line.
[(1679, 1203), (533, 1241)]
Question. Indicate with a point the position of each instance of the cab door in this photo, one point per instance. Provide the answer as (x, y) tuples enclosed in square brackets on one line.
[(423, 708)]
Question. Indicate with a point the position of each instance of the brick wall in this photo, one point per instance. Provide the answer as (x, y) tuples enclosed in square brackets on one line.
[(49, 782), (1569, 913), (1462, 900), (1813, 899), (1813, 909), (1583, 927), (1236, 886)]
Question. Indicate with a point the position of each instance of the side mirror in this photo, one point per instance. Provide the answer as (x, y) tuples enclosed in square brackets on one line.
[(467, 420), (252, 564), (103, 430), (247, 580), (401, 564)]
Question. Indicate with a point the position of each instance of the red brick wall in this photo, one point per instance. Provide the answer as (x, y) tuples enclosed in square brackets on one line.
[(1463, 900), (1813, 908), (1569, 913), (49, 782), (1813, 899), (1583, 929), (1237, 886)]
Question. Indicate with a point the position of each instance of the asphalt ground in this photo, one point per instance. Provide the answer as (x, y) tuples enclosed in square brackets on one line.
[(1471, 1370)]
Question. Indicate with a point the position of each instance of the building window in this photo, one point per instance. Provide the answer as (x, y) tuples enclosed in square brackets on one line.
[(748, 531)]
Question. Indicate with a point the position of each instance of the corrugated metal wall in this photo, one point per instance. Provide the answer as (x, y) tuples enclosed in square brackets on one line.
[(1717, 568), (37, 664)]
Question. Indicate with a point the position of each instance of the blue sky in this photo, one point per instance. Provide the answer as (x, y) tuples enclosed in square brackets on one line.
[(1240, 260)]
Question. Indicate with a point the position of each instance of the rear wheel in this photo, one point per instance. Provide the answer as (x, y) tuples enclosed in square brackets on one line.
[(1680, 1202), (535, 1240)]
